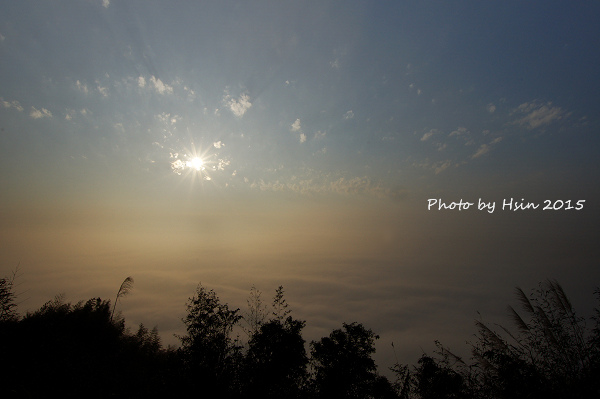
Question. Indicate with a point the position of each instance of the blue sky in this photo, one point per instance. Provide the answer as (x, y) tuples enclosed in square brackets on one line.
[(297, 143)]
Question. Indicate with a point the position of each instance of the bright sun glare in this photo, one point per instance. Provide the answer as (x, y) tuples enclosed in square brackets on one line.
[(195, 163)]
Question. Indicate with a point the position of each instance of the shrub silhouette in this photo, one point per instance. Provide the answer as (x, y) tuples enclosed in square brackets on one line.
[(549, 353)]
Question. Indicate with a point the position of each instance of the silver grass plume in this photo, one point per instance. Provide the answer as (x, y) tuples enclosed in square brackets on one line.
[(126, 286)]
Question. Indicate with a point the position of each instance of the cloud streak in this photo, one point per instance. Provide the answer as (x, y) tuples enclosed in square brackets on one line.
[(39, 114), (538, 115)]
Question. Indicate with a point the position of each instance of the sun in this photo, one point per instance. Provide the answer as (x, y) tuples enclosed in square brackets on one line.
[(199, 163), (195, 163)]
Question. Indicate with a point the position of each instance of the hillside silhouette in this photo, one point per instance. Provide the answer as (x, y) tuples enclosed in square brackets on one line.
[(84, 350)]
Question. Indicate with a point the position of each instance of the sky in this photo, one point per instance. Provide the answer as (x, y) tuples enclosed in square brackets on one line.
[(323, 146)]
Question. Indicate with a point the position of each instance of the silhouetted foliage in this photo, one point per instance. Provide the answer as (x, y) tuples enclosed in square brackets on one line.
[(124, 289), (434, 379), (549, 354), (280, 306), (65, 350), (343, 365), (256, 314), (8, 307), (81, 350), (276, 358), (211, 357)]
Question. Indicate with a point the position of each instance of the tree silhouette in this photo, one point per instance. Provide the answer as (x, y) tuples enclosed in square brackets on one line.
[(344, 367), (280, 306), (276, 359), (435, 379), (210, 354), (256, 314)]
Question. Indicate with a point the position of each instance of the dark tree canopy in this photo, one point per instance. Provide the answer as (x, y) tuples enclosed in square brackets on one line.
[(343, 364), (210, 354), (81, 350)]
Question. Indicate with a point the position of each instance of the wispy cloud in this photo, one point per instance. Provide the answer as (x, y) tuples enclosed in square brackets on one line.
[(349, 115), (485, 148), (460, 131), (105, 3), (37, 114), (70, 114), (537, 114), (441, 166), (324, 184), (12, 104), (82, 86), (102, 89)]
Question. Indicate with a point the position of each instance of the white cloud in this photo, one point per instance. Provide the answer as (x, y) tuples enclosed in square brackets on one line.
[(537, 114), (428, 135), (349, 115), (141, 81), (2, 37), (37, 114), (105, 3), (302, 137), (491, 108), (159, 86), (296, 126), (218, 144), (458, 132), (240, 105)]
